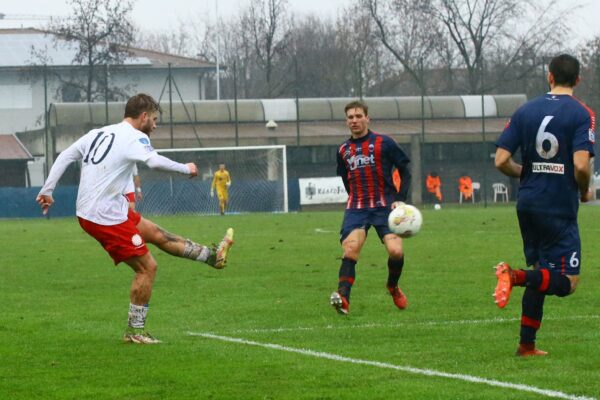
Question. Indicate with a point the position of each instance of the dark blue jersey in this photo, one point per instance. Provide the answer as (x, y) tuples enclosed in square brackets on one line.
[(548, 130), (366, 165)]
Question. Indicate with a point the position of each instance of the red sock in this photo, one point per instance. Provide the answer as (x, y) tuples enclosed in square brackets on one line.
[(518, 277)]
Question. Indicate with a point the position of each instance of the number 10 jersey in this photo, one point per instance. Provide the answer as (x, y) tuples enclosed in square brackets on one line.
[(108, 156)]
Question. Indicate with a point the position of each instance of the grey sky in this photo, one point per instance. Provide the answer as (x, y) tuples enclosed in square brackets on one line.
[(159, 14)]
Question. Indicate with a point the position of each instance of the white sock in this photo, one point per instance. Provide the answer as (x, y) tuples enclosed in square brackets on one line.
[(204, 254), (137, 316), (195, 251)]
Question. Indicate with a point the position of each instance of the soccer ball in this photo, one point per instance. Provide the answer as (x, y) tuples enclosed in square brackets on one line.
[(437, 207), (405, 220)]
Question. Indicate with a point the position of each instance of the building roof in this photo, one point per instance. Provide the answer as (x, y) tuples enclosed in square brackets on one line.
[(11, 148), (161, 60), (17, 47), (323, 132)]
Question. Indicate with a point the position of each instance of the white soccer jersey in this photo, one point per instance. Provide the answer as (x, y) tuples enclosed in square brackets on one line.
[(131, 184), (108, 156)]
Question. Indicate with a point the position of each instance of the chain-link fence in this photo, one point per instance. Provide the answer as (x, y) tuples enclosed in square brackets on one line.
[(449, 135)]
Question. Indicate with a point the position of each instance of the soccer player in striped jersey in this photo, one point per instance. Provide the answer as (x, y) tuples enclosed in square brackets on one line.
[(366, 162), (555, 134)]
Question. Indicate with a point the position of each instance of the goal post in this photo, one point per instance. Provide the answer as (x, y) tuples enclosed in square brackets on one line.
[(258, 181)]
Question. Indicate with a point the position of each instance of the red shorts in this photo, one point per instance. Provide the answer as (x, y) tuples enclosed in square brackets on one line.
[(130, 197), (121, 241)]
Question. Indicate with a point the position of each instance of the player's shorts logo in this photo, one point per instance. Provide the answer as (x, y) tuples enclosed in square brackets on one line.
[(136, 240), (592, 136), (548, 168)]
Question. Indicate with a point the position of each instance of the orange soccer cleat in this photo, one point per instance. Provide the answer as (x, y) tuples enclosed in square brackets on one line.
[(529, 350), (399, 298), (504, 285)]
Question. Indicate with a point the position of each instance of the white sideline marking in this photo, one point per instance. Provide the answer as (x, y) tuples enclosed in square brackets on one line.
[(419, 371), (405, 324), (319, 230)]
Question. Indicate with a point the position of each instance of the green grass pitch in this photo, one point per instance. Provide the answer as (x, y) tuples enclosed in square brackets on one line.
[(64, 309)]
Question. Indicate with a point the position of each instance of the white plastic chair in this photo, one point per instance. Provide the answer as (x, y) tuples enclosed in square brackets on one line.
[(476, 187), (501, 190)]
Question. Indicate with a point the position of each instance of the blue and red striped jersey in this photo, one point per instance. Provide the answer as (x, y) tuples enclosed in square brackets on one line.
[(548, 130), (366, 166)]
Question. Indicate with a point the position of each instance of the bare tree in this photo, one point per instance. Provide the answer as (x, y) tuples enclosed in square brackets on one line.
[(266, 20), (510, 30), (355, 34), (590, 82), (406, 31), (101, 32), (236, 49), (179, 41), (323, 65)]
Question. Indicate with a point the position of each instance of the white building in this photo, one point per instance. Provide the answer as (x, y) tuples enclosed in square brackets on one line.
[(23, 93)]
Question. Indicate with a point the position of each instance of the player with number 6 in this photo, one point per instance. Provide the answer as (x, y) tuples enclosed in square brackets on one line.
[(555, 134)]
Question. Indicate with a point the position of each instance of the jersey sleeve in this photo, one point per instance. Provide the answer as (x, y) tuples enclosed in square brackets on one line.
[(156, 161), (400, 160), (509, 139), (585, 133), (73, 153), (342, 171), (140, 148)]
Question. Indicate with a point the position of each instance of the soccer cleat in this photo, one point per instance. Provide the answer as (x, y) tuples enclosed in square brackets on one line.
[(504, 285), (139, 336), (218, 259), (399, 298), (340, 303), (529, 350)]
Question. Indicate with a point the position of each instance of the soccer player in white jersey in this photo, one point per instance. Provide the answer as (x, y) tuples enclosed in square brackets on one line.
[(108, 156)]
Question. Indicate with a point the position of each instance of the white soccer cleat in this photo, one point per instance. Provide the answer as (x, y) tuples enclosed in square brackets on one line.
[(223, 249), (340, 303), (140, 338)]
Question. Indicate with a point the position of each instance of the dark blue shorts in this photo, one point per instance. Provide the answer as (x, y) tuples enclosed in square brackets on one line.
[(551, 242), (365, 218)]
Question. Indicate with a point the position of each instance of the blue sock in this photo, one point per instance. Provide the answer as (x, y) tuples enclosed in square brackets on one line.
[(394, 271), (346, 277)]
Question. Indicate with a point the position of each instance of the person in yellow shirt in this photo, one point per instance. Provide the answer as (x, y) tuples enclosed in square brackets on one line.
[(221, 182)]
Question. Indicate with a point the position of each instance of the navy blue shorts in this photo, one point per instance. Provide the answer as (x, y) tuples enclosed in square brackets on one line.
[(364, 218), (551, 242)]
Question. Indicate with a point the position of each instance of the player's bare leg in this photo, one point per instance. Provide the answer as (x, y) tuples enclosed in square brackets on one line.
[(215, 256), (144, 268), (145, 271)]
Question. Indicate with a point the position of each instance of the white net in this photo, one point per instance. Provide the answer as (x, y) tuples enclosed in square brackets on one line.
[(258, 176)]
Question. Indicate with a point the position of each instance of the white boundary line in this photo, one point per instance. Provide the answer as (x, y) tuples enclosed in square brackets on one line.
[(419, 371), (405, 324)]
